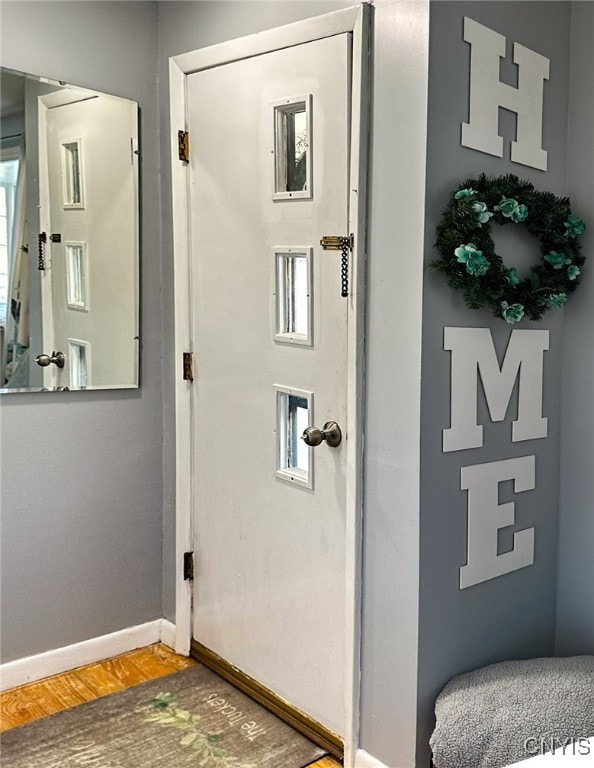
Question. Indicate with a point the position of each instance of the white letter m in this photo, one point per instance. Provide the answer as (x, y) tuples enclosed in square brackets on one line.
[(473, 352)]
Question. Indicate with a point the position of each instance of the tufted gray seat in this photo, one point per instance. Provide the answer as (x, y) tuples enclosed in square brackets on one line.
[(507, 712)]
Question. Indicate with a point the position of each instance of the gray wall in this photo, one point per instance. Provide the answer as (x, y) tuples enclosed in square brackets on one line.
[(575, 596), (82, 504), (512, 616), (81, 488)]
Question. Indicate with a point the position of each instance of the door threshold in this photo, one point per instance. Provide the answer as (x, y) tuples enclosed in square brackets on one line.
[(304, 724)]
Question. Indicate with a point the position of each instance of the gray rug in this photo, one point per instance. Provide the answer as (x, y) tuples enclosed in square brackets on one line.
[(190, 718)]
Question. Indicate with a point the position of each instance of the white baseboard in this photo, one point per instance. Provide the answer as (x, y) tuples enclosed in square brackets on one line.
[(31, 668), (365, 760), (168, 633), (42, 665)]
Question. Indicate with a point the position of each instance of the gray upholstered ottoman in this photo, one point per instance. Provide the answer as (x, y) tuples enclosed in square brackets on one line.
[(507, 712)]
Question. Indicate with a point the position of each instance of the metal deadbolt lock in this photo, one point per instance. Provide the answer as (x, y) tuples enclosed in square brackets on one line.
[(330, 432), (57, 358)]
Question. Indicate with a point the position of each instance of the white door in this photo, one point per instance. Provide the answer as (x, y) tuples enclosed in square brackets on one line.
[(269, 140), (89, 275)]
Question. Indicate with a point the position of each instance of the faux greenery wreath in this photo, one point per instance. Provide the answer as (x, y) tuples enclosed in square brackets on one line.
[(467, 249)]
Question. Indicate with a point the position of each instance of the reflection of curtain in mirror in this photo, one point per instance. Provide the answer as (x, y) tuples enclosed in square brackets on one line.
[(16, 332)]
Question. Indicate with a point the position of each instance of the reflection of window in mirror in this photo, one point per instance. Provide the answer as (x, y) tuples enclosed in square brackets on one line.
[(72, 174), (78, 355), (8, 178), (76, 275), (4, 246), (10, 274)]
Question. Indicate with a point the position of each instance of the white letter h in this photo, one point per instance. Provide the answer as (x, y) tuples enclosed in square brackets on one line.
[(488, 93)]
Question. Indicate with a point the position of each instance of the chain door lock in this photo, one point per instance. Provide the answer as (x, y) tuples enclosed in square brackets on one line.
[(345, 246)]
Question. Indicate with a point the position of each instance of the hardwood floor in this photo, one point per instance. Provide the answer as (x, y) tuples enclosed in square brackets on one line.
[(46, 697)]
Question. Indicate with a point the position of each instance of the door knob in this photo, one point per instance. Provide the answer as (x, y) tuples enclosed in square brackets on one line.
[(57, 358), (330, 432)]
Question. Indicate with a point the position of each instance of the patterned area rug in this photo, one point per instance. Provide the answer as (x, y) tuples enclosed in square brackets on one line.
[(190, 718)]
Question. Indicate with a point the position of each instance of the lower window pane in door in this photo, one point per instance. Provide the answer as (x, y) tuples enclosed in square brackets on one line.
[(294, 409), (79, 361), (298, 452)]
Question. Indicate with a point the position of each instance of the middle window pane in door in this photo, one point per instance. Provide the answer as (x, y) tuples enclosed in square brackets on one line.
[(293, 295)]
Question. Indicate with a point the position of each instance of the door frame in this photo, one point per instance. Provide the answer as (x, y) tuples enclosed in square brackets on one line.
[(355, 20), (46, 276)]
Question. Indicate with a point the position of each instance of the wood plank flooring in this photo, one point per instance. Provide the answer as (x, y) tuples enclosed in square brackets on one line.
[(46, 697)]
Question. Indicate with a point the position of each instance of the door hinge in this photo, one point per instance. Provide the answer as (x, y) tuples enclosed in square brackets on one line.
[(188, 566), (183, 146), (188, 366), (344, 244)]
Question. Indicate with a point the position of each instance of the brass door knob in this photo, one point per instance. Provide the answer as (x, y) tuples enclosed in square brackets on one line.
[(331, 433)]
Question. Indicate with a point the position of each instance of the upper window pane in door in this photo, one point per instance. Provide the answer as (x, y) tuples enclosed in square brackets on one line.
[(292, 148), (72, 174)]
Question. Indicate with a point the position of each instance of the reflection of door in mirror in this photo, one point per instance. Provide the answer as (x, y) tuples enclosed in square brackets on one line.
[(86, 172), (68, 237)]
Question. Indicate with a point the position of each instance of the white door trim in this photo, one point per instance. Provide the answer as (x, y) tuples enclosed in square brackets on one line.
[(354, 20), (46, 276)]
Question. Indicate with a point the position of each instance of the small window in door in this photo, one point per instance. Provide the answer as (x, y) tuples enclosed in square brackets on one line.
[(294, 413), (293, 295), (79, 357), (72, 174), (292, 148), (76, 275)]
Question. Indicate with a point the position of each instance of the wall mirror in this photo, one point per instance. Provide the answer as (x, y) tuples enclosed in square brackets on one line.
[(69, 289)]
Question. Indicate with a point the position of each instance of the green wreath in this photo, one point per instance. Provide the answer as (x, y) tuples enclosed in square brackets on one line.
[(467, 249)]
